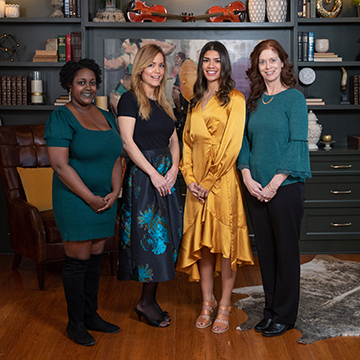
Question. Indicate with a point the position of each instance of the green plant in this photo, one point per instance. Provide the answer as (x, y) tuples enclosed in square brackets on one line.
[(355, 2)]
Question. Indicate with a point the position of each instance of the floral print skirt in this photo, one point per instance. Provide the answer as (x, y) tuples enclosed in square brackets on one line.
[(150, 225)]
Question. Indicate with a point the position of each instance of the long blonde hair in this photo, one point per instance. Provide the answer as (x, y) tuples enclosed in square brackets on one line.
[(143, 59)]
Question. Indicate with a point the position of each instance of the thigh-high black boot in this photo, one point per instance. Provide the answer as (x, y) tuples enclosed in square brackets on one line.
[(92, 319), (73, 280)]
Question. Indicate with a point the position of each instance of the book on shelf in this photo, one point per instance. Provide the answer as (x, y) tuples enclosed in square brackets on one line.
[(3, 89), (304, 8), (78, 8), (68, 47), (299, 9), (311, 41), (13, 90), (305, 46), (62, 100), (327, 54), (354, 88), (24, 88), (300, 51), (73, 14), (61, 48), (314, 101), (8, 90), (76, 45), (45, 56), (67, 8), (313, 9), (18, 90), (328, 59)]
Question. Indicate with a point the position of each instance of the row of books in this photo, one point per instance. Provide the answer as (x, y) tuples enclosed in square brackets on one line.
[(354, 87), (14, 90), (306, 40), (306, 9), (63, 48), (72, 8)]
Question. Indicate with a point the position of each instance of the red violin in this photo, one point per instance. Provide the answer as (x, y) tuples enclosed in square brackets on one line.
[(234, 12), (137, 11)]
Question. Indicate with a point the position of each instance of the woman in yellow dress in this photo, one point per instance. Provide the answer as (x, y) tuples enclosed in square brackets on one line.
[(215, 235)]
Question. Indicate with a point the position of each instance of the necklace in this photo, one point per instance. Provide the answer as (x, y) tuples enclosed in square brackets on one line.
[(153, 97), (265, 103)]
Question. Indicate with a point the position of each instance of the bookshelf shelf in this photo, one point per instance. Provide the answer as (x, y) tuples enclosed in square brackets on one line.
[(188, 25), (45, 20), (28, 107), (329, 64), (30, 64)]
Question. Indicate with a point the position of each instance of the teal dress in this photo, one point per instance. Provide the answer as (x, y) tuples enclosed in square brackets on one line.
[(92, 154)]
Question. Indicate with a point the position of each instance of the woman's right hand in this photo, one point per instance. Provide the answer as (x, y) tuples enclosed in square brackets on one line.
[(96, 203), (160, 183), (194, 190)]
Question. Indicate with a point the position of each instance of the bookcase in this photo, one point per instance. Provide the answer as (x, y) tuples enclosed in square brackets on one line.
[(35, 26)]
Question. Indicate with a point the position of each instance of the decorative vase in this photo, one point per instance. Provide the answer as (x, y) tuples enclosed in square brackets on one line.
[(256, 10), (276, 10), (58, 5), (314, 131)]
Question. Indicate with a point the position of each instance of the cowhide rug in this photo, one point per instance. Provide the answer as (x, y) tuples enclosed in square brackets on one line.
[(329, 300)]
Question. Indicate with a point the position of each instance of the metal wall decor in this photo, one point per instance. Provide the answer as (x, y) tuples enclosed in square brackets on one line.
[(334, 12), (8, 47)]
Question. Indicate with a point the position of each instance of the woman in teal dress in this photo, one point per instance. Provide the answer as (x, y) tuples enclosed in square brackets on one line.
[(84, 149), (274, 163)]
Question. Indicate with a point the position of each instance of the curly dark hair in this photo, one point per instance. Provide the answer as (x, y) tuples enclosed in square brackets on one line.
[(257, 86), (70, 68), (226, 82)]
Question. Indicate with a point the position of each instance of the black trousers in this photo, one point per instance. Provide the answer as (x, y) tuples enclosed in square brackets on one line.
[(276, 227)]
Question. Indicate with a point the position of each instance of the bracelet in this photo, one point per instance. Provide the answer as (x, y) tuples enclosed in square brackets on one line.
[(271, 188)]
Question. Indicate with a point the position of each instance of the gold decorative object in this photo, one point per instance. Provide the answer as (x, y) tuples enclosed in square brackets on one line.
[(327, 138), (8, 47), (334, 12)]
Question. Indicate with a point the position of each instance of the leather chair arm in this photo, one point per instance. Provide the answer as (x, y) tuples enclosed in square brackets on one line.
[(27, 230)]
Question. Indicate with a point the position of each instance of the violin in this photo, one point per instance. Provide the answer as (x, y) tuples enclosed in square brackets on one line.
[(137, 11), (234, 12)]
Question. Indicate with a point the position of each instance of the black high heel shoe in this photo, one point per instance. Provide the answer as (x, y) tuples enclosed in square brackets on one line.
[(151, 322)]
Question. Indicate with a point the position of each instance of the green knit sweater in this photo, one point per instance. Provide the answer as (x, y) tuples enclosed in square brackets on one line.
[(275, 139)]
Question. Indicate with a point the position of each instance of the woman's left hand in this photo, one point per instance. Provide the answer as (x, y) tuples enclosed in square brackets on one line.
[(202, 193), (171, 176), (109, 200), (267, 194)]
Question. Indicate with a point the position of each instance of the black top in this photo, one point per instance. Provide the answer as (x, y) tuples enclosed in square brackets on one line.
[(150, 134)]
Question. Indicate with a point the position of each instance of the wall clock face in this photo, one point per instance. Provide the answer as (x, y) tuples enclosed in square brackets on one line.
[(307, 76)]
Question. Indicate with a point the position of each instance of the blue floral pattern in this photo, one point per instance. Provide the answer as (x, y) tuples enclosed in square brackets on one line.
[(151, 225)]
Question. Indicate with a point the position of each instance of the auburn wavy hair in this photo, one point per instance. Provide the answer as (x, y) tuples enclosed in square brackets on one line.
[(226, 82), (143, 59), (257, 86)]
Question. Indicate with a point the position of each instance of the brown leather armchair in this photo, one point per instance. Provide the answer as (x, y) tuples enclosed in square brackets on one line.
[(33, 234)]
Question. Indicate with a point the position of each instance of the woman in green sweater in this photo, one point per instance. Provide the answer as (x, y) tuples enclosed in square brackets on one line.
[(274, 162)]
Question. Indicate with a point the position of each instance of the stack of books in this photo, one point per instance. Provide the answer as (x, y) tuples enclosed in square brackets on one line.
[(314, 101), (354, 89), (45, 56), (62, 100), (328, 56)]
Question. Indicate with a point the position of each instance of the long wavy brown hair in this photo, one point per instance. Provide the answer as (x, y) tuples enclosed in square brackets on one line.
[(226, 82), (257, 86), (143, 59)]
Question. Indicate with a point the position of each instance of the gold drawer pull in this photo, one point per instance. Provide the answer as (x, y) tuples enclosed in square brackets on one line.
[(340, 166), (338, 225), (340, 191)]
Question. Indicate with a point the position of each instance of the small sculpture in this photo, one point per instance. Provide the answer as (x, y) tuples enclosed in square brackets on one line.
[(343, 86), (8, 47), (334, 12), (57, 4)]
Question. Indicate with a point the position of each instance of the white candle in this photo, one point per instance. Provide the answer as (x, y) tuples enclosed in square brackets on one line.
[(12, 10), (37, 92), (2, 8)]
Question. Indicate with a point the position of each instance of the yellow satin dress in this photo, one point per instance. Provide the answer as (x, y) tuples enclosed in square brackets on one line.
[(212, 140)]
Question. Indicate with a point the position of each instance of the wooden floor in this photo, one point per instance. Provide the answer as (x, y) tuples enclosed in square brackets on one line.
[(32, 322)]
